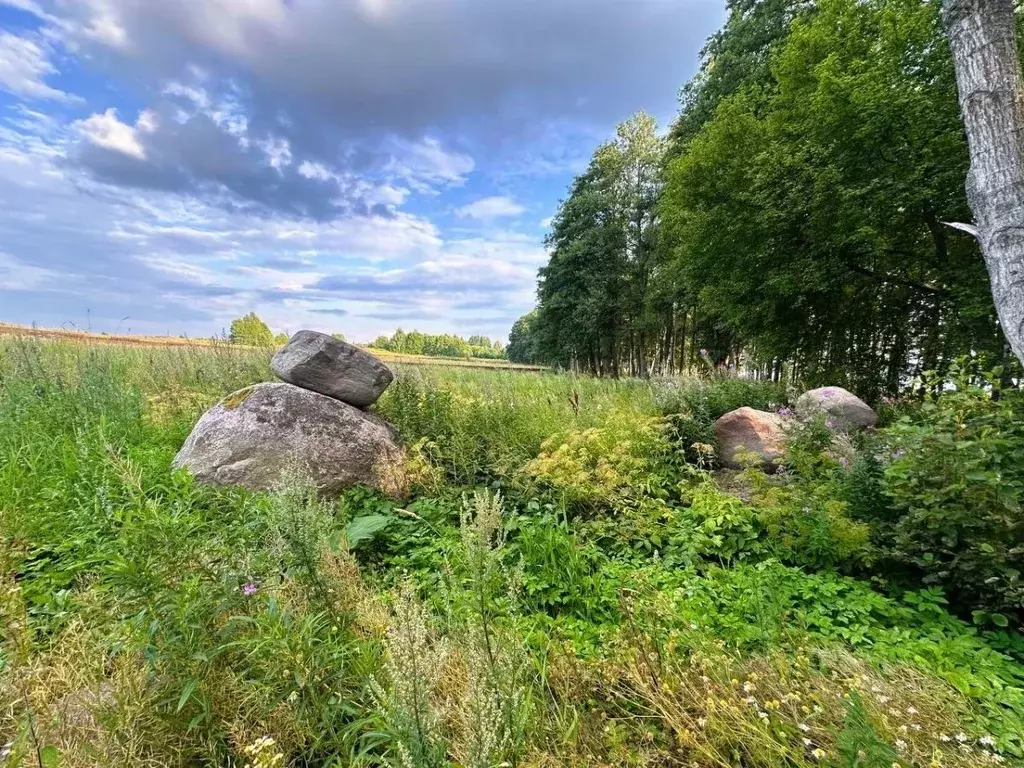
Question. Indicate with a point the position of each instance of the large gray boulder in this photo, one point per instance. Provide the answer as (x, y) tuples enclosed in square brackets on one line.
[(746, 435), (324, 364), (257, 435), (844, 411)]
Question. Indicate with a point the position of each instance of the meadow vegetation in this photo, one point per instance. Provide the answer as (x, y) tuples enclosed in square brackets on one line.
[(571, 581)]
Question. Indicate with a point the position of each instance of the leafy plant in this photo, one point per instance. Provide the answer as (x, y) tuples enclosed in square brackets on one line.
[(955, 482)]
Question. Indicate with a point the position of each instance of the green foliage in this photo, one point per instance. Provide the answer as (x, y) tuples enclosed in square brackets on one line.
[(792, 225), (561, 576), (252, 332), (439, 345), (611, 467), (715, 526), (955, 484), (363, 529), (227, 627), (817, 156), (523, 341), (859, 744), (604, 267)]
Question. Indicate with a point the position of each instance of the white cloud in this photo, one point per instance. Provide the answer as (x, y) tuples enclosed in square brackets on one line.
[(278, 152), (148, 122), (197, 96), (24, 67), (427, 162), (489, 208), (107, 131), (311, 170)]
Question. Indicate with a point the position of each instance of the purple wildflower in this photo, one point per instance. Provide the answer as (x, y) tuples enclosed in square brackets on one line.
[(843, 461), (703, 352), (249, 590), (898, 453), (784, 411)]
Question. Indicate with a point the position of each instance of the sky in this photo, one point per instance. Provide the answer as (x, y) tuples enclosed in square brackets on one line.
[(350, 166)]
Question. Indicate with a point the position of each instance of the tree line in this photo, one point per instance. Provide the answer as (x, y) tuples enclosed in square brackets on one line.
[(792, 221), (250, 330), (440, 345)]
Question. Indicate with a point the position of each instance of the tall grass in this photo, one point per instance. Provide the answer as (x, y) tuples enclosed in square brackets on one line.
[(151, 621)]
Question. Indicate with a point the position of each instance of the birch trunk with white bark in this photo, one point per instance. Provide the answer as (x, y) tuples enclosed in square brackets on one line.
[(991, 88)]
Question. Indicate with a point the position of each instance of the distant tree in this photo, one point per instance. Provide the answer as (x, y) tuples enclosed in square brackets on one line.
[(339, 336), (251, 331), (438, 345)]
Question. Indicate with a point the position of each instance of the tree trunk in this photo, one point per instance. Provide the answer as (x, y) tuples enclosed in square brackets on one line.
[(988, 75)]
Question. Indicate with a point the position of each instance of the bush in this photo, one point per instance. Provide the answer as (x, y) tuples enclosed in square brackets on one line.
[(954, 476), (609, 467)]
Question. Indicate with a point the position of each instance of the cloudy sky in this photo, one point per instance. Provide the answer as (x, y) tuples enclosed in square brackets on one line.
[(345, 165)]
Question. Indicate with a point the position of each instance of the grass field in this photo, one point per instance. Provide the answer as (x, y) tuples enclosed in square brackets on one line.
[(127, 340), (568, 584)]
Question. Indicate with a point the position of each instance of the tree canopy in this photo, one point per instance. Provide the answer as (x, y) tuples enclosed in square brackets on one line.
[(251, 331), (793, 219)]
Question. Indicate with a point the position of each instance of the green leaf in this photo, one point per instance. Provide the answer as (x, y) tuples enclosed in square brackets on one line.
[(186, 692), (365, 528), (50, 756), (999, 620)]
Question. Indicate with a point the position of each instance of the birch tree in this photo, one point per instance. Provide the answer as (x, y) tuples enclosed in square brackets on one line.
[(991, 88)]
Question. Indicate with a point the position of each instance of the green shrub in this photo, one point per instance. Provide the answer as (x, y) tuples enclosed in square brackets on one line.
[(715, 526), (808, 525), (612, 467), (954, 475)]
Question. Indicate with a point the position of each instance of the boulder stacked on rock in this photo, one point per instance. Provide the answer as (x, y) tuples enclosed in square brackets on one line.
[(322, 363), (746, 435), (313, 423)]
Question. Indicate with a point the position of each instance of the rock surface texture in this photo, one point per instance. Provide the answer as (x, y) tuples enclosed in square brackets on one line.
[(844, 411), (748, 431), (322, 363), (257, 435)]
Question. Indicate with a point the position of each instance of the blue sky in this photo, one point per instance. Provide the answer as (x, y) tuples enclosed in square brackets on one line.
[(344, 165)]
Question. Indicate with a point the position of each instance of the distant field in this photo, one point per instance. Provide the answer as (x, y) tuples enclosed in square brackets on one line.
[(57, 334)]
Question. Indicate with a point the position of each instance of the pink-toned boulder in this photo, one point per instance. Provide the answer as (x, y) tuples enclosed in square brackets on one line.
[(844, 411), (746, 435)]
